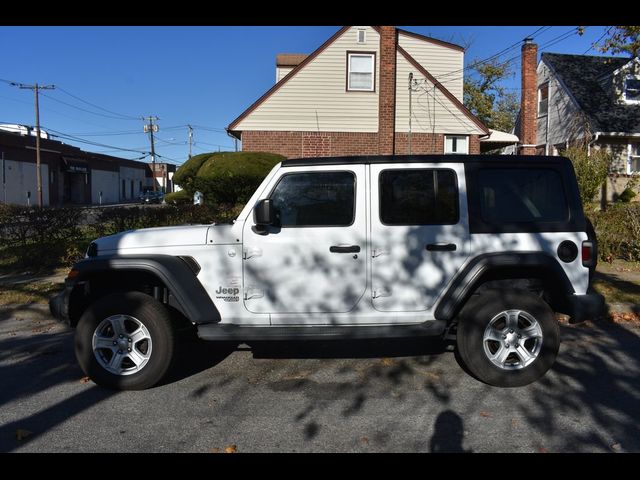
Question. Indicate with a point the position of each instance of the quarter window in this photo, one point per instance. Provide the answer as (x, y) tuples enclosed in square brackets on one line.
[(418, 197), (360, 72), (521, 196), (319, 199)]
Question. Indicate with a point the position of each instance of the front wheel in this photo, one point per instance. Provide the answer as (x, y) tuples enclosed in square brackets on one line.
[(508, 338), (125, 341)]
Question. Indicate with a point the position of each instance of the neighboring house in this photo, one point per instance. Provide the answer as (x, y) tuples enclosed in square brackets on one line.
[(69, 175), (351, 97), (591, 99)]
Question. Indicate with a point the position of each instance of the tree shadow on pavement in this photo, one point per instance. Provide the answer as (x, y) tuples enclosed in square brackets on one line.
[(596, 377)]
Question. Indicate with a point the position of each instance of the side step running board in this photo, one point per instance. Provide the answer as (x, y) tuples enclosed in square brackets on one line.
[(216, 331)]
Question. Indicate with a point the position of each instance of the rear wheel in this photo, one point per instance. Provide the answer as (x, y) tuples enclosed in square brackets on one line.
[(507, 339), (125, 341)]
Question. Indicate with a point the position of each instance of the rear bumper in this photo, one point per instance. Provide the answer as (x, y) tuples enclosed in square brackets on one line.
[(585, 307), (59, 305)]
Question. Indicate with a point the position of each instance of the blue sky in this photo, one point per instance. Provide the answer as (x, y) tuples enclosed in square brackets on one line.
[(204, 76)]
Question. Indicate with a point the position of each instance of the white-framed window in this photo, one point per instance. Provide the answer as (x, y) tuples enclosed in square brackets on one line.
[(633, 165), (362, 36), (543, 99), (632, 89), (361, 71), (456, 144)]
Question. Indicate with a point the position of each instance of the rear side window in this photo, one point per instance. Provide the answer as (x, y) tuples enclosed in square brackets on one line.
[(418, 197), (521, 196), (318, 199)]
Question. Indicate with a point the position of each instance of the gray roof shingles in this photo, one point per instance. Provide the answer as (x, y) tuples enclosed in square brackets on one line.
[(581, 74)]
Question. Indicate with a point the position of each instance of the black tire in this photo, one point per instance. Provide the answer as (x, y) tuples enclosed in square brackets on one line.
[(150, 313), (475, 318)]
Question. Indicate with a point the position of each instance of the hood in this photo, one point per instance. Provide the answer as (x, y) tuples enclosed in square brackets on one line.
[(165, 237)]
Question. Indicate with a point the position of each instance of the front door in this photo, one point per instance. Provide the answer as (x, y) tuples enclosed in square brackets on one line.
[(314, 261), (419, 236)]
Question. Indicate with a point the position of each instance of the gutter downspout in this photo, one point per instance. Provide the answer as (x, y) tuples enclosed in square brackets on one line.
[(595, 139)]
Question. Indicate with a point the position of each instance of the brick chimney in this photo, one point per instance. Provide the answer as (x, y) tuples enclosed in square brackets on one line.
[(387, 92), (529, 102)]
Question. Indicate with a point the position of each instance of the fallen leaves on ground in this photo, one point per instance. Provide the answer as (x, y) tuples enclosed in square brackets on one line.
[(21, 434), (624, 317), (233, 448), (484, 414), (542, 450), (84, 379), (616, 447), (388, 362), (365, 440)]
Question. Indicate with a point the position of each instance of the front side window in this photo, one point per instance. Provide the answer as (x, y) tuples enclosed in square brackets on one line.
[(456, 144), (318, 199), (521, 196), (543, 99), (632, 90), (361, 72), (634, 158), (418, 197)]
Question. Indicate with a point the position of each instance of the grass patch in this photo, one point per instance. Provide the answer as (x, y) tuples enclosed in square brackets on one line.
[(28, 293), (618, 281)]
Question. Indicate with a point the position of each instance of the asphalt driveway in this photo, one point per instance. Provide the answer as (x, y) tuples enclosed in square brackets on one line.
[(374, 396)]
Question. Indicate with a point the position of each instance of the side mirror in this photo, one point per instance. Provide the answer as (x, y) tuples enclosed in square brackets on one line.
[(264, 214)]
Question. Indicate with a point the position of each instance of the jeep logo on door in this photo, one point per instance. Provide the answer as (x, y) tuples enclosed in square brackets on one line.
[(228, 294)]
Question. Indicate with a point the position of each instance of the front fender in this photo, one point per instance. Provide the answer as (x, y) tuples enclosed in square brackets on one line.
[(178, 274)]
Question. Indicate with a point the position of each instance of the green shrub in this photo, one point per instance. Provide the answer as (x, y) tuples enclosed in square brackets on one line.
[(591, 171), (185, 174), (627, 195), (178, 198), (226, 177), (618, 231)]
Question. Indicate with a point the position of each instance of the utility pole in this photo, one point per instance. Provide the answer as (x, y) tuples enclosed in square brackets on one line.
[(150, 128), (410, 92), (36, 88), (190, 138)]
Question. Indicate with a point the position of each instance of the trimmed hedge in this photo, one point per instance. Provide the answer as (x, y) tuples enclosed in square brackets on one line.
[(178, 198), (226, 177)]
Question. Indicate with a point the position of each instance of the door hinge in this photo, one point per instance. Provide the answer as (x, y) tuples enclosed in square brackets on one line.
[(251, 252), (381, 292), (252, 292)]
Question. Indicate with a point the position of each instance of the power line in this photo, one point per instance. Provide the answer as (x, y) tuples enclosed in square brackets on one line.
[(596, 42), (84, 109), (59, 134), (126, 117)]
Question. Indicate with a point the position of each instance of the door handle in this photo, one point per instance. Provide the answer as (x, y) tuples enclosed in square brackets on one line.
[(344, 248), (441, 247)]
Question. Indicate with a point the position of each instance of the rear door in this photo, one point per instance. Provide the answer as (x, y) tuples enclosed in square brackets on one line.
[(419, 233)]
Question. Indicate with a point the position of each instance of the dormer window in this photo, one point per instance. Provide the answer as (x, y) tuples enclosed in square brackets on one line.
[(632, 90)]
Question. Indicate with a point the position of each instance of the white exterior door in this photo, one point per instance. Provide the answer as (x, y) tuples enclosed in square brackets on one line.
[(315, 261), (419, 233)]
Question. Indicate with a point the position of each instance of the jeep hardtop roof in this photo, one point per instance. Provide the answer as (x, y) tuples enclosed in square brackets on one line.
[(476, 158)]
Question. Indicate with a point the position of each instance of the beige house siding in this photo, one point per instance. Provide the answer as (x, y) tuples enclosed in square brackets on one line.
[(315, 98), (282, 72), (438, 60), (443, 117)]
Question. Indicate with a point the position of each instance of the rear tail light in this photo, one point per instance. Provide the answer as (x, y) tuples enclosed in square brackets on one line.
[(587, 254)]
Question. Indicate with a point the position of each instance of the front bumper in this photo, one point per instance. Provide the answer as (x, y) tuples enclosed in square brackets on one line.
[(59, 305), (585, 307)]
